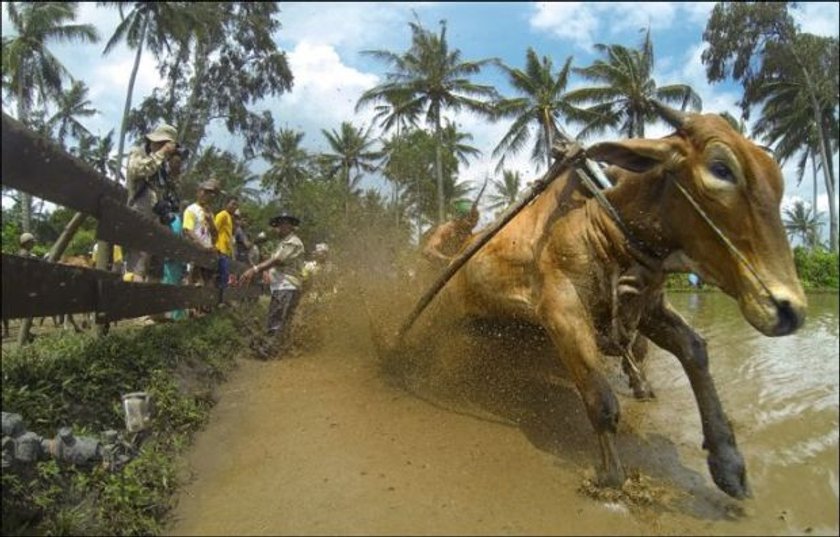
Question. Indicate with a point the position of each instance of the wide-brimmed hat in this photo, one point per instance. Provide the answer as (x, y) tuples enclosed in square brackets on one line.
[(164, 133), (284, 217), (211, 185), (26, 237)]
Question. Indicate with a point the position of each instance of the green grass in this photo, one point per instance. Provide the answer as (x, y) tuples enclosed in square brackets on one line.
[(78, 380)]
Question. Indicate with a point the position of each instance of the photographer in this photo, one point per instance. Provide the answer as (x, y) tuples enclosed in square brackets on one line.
[(151, 188)]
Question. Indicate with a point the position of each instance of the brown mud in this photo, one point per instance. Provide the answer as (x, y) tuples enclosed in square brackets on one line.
[(484, 437)]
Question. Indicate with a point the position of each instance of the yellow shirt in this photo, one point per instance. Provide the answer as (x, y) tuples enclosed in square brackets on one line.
[(224, 225), (118, 255)]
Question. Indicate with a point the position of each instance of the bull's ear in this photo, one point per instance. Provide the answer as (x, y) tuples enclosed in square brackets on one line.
[(637, 154)]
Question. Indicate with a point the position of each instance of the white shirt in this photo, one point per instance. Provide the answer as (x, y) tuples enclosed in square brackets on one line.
[(195, 219)]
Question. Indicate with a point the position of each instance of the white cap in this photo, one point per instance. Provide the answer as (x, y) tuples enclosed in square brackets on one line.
[(321, 247)]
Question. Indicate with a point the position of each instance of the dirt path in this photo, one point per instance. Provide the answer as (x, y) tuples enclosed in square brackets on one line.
[(322, 443)]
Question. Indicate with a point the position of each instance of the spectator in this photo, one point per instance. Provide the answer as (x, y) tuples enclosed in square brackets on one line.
[(224, 241), (199, 226), (242, 243), (27, 243), (284, 269), (146, 176)]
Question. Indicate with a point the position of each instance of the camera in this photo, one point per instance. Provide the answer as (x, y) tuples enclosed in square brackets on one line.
[(181, 151)]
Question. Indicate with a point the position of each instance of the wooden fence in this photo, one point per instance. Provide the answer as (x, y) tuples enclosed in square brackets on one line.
[(34, 288)]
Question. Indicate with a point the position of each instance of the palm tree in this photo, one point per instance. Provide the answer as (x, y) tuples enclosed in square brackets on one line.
[(787, 123), (542, 102), (397, 112), (97, 151), (436, 79), (152, 25), (506, 191), (738, 124), (72, 104), (29, 68), (351, 153), (623, 101), (802, 221), (287, 160)]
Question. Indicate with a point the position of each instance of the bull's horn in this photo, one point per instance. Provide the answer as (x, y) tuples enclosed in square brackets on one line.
[(674, 117)]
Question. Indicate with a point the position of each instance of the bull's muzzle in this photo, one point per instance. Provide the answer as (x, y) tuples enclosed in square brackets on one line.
[(790, 317)]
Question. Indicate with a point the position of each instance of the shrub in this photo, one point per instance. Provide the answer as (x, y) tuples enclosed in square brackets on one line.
[(78, 380), (817, 268)]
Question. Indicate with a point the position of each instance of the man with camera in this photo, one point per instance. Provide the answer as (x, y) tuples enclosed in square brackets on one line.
[(150, 178)]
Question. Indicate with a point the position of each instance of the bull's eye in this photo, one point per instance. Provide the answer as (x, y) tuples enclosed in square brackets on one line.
[(722, 171)]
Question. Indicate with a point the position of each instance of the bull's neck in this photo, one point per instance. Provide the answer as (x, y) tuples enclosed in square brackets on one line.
[(639, 236)]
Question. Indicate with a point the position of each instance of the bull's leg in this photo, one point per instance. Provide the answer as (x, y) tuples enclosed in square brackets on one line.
[(567, 323), (668, 329), (632, 362)]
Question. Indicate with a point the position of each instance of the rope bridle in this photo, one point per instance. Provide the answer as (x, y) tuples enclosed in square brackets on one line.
[(579, 154)]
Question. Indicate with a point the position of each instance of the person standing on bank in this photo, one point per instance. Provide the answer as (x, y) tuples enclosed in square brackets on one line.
[(145, 174), (224, 242), (284, 269)]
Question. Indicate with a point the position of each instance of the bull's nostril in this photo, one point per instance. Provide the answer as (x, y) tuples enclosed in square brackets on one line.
[(789, 320)]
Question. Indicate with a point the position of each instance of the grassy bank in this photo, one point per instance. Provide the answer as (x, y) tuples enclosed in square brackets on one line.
[(78, 380)]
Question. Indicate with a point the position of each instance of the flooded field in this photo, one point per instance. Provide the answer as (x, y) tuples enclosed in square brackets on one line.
[(326, 443)]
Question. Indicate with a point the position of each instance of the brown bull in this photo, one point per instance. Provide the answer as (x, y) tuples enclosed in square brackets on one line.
[(703, 199)]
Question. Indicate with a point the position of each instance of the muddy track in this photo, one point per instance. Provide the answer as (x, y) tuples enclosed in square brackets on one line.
[(326, 443)]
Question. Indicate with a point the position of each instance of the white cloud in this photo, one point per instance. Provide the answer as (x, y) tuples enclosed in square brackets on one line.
[(325, 91), (350, 25), (574, 21), (820, 18), (585, 22)]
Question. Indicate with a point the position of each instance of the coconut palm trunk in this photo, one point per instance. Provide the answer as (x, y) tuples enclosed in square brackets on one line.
[(549, 138), (127, 108), (25, 197), (439, 168)]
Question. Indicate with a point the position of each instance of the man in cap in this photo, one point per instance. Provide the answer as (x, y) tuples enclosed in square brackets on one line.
[(285, 267), (199, 225), (27, 242), (145, 173), (446, 240)]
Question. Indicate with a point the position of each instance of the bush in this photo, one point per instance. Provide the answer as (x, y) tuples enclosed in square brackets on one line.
[(79, 380), (817, 268)]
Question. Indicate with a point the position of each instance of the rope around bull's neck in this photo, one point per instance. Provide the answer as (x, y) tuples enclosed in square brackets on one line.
[(725, 240)]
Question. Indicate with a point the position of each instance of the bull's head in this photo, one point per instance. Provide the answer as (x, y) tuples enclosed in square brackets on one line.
[(739, 188)]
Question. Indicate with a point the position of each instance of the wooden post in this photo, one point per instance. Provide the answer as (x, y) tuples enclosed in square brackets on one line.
[(103, 259)]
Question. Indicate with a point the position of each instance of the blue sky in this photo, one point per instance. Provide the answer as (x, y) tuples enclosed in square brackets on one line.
[(324, 41)]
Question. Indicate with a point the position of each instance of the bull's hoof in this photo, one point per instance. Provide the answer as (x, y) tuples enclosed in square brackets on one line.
[(729, 472), (612, 478)]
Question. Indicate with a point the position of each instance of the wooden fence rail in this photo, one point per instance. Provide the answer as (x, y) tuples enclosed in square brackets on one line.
[(32, 288)]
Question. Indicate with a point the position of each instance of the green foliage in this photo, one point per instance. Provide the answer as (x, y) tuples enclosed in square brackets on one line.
[(817, 268), (11, 234), (79, 380)]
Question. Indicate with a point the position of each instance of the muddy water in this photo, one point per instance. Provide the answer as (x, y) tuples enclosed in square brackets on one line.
[(782, 396), (325, 443)]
